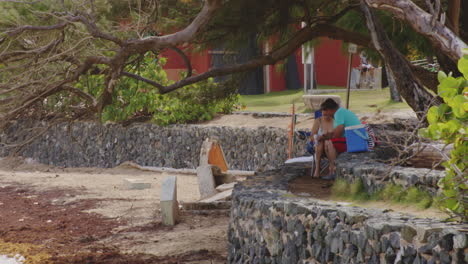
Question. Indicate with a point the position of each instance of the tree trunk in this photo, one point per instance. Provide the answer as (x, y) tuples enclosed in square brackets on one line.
[(426, 77), (453, 16), (394, 94), (447, 64), (425, 24), (464, 21), (409, 87)]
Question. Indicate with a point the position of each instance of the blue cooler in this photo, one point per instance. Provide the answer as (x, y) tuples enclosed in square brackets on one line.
[(356, 138)]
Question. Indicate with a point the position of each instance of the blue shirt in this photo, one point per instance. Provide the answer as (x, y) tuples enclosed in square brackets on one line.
[(346, 118)]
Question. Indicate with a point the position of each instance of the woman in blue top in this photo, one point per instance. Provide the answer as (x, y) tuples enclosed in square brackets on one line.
[(342, 118)]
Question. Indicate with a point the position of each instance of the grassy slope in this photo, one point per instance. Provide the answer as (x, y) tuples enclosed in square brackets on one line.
[(360, 101)]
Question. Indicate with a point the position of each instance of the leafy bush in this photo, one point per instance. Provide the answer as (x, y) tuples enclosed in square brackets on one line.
[(340, 188), (391, 193), (196, 102), (448, 123)]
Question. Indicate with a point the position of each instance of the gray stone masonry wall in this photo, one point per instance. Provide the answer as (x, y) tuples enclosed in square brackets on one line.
[(178, 146), (364, 166), (270, 225)]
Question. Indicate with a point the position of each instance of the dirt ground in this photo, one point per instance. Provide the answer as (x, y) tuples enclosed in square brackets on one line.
[(85, 215), (302, 121)]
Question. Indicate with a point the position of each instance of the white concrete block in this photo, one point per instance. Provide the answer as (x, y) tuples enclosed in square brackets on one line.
[(205, 151), (136, 184), (169, 189), (168, 201), (206, 181)]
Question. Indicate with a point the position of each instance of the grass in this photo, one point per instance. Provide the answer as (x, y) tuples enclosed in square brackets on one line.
[(392, 193), (360, 101)]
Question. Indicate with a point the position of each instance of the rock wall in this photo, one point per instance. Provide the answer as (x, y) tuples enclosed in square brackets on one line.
[(270, 225), (90, 144), (374, 175)]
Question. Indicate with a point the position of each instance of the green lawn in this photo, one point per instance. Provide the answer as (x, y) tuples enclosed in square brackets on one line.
[(360, 101)]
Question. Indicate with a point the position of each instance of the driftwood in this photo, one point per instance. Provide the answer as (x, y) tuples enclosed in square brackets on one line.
[(428, 155), (182, 171)]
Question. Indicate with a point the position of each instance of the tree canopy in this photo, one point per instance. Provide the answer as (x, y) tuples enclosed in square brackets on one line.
[(47, 48)]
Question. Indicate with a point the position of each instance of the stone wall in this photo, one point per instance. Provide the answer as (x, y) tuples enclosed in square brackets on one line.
[(270, 225), (90, 144), (374, 175)]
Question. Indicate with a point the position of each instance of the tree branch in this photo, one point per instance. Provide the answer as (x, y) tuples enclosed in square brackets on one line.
[(412, 91), (185, 35), (34, 52), (143, 79), (52, 89), (19, 30), (93, 29), (81, 94), (421, 21)]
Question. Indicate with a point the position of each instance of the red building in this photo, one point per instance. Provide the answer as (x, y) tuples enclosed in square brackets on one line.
[(330, 65)]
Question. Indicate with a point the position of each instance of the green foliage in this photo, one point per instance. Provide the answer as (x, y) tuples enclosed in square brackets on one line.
[(197, 102), (340, 188), (354, 191), (391, 193), (448, 123), (421, 198), (404, 38)]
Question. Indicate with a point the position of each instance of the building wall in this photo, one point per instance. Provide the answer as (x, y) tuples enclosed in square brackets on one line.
[(331, 63), (201, 62)]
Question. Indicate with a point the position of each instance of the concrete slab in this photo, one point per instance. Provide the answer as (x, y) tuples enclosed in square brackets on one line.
[(220, 196), (225, 186), (135, 184), (206, 181), (313, 101), (168, 201)]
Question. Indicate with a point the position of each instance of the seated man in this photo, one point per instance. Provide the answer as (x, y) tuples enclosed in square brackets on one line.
[(322, 125), (342, 118)]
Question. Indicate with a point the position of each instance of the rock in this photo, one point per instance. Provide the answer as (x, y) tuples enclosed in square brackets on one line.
[(135, 184), (390, 255), (360, 256), (350, 251), (395, 240), (460, 241), (408, 251), (399, 258), (408, 233), (446, 243), (423, 232), (427, 249), (445, 257), (335, 245)]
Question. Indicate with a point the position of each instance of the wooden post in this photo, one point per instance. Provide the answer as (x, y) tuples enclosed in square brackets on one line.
[(291, 132), (352, 48), (348, 88)]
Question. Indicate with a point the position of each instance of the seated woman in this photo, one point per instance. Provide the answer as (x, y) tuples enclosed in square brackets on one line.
[(323, 125)]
